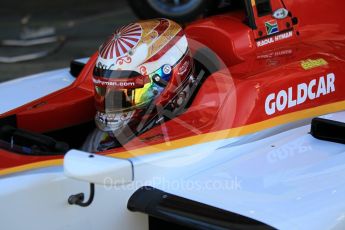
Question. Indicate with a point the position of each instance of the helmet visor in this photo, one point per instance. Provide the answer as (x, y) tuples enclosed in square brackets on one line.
[(117, 90)]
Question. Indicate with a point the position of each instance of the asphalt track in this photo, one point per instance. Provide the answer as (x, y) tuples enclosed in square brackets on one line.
[(84, 23)]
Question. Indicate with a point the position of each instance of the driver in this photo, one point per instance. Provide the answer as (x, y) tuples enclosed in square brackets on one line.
[(143, 74)]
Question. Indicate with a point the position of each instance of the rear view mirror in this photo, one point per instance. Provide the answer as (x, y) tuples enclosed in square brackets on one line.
[(97, 169), (76, 66)]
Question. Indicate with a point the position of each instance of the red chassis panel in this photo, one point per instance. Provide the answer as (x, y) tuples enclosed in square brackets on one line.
[(265, 83)]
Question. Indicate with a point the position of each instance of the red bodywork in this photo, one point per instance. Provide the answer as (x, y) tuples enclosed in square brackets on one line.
[(234, 100)]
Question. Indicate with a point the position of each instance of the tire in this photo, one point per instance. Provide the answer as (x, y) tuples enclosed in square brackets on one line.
[(186, 11)]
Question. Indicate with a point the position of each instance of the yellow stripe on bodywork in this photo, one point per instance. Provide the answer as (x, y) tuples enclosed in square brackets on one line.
[(234, 132), (198, 139), (36, 165)]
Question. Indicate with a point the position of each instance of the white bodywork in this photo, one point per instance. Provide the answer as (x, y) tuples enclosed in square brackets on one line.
[(98, 169), (21, 91), (289, 181), (24, 90)]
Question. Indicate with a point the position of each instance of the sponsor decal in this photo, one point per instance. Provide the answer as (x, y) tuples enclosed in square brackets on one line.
[(300, 94), (272, 27), (167, 69), (281, 13), (274, 54), (274, 39), (119, 84), (311, 64)]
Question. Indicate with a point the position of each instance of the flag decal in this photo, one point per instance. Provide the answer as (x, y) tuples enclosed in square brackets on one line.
[(272, 27)]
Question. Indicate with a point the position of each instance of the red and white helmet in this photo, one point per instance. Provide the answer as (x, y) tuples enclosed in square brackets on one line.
[(141, 66)]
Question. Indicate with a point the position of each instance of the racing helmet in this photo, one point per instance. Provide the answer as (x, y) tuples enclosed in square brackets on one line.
[(141, 67)]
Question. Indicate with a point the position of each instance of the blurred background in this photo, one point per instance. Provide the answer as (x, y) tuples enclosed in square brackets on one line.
[(84, 24), (41, 35)]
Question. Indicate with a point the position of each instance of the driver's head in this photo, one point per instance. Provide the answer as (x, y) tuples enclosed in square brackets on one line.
[(140, 66)]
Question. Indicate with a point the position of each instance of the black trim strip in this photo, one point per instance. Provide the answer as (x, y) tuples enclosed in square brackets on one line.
[(9, 120), (250, 14), (76, 67), (29, 143), (328, 130), (266, 13), (179, 210)]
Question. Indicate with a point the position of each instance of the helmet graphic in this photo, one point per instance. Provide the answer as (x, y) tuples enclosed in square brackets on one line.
[(142, 68)]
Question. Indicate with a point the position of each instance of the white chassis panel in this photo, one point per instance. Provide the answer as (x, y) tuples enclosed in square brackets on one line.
[(288, 180)]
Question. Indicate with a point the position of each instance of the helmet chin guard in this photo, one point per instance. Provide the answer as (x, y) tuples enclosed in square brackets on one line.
[(113, 122)]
